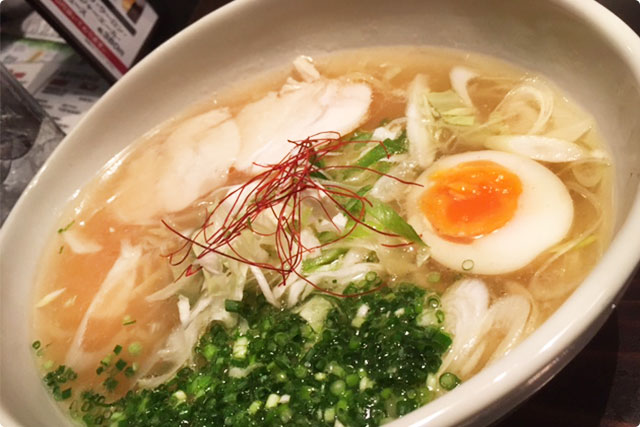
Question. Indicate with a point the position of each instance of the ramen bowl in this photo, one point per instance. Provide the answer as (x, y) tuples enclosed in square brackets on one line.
[(588, 52)]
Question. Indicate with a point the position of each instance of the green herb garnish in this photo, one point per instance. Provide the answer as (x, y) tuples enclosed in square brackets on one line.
[(66, 227)]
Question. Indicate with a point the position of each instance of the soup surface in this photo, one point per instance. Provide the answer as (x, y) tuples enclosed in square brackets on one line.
[(264, 243)]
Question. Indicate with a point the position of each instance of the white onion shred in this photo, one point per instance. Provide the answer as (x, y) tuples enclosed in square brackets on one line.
[(264, 285), (298, 289), (183, 309), (472, 321), (168, 291), (80, 244), (466, 304), (389, 131), (304, 67), (340, 220), (419, 118), (177, 349), (521, 96), (460, 77), (508, 314), (110, 301), (387, 189), (51, 296), (310, 242), (541, 148), (571, 132)]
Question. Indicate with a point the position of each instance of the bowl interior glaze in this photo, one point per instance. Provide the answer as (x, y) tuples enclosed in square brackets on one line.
[(580, 46)]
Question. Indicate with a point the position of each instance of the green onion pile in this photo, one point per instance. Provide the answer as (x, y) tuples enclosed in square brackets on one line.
[(367, 362)]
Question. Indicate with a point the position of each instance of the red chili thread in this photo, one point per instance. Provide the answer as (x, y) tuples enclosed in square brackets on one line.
[(282, 188)]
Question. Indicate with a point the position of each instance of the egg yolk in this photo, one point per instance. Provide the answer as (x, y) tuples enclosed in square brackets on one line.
[(471, 199)]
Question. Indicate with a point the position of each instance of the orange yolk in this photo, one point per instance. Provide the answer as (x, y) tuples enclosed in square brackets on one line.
[(471, 199)]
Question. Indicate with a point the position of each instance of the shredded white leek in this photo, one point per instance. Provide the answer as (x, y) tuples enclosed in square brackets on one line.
[(541, 148), (419, 118), (80, 244), (519, 98), (51, 296), (110, 301), (460, 77)]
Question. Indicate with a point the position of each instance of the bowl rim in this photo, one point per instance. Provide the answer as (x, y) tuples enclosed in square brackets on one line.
[(541, 350)]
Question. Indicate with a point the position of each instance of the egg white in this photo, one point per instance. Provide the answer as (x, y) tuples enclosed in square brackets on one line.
[(542, 218)]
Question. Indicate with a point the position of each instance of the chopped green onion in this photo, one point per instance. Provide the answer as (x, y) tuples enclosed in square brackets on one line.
[(327, 257), (380, 151), (586, 241), (300, 371), (232, 306), (387, 219), (117, 416), (209, 351), (120, 364), (329, 415), (290, 374), (280, 377), (110, 383), (36, 345), (357, 322), (449, 106), (285, 413), (458, 120), (342, 407), (65, 228), (272, 401), (179, 396), (320, 376), (327, 236), (352, 380), (335, 369), (433, 302), (433, 277), (467, 264), (240, 348), (338, 387), (117, 349), (354, 205), (354, 343), (449, 381), (65, 394), (127, 320), (365, 383), (281, 338), (134, 348), (254, 407)]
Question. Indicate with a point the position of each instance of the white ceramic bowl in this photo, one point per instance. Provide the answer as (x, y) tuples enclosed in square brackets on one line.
[(576, 43)]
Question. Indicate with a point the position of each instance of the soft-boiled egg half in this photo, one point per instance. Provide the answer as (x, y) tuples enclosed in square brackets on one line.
[(489, 212)]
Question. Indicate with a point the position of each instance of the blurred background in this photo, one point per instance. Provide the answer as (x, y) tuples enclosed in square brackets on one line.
[(58, 57)]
